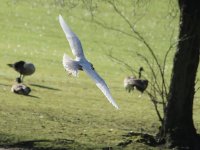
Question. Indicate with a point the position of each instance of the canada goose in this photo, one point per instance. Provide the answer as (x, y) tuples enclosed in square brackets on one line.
[(81, 63), (131, 82), (24, 68), (20, 89)]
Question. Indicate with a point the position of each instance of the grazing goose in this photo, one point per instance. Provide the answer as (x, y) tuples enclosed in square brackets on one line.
[(81, 63), (131, 82), (24, 68), (20, 89)]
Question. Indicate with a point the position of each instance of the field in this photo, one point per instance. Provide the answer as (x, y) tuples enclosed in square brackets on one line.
[(63, 112)]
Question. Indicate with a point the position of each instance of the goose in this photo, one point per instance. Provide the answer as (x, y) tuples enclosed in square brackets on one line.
[(80, 63), (23, 68), (20, 89), (130, 82)]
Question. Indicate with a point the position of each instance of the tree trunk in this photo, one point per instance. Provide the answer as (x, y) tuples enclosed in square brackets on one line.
[(178, 127)]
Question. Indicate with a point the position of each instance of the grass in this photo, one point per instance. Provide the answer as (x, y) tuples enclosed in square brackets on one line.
[(71, 113)]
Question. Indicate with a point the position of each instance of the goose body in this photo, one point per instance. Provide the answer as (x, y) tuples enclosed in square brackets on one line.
[(23, 68), (130, 83), (20, 89)]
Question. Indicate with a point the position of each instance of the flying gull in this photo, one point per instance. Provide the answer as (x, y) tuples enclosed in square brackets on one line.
[(81, 63)]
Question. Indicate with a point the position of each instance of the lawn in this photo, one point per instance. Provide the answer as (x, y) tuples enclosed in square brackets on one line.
[(63, 112)]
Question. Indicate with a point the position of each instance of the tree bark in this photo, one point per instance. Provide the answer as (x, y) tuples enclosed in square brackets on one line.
[(178, 127)]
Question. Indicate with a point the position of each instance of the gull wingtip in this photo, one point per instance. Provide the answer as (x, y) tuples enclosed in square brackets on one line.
[(59, 16), (117, 107), (64, 56)]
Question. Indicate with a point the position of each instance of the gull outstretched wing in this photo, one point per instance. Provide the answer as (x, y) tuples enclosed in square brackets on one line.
[(73, 40), (100, 84)]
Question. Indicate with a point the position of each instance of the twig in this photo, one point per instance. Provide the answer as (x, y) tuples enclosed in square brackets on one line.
[(152, 71), (123, 63), (155, 102)]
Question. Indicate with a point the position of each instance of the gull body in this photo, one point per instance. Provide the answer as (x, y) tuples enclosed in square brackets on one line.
[(72, 66)]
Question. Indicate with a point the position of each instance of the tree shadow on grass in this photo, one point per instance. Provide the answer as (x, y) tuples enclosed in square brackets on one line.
[(143, 138), (1, 84), (153, 141), (42, 144)]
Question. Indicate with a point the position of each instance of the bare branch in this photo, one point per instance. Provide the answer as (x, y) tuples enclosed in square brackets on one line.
[(114, 29), (157, 89), (90, 6), (123, 63), (70, 3), (139, 36), (172, 45), (155, 102), (152, 71)]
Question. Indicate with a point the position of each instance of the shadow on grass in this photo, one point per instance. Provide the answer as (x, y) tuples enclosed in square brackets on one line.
[(33, 96), (1, 84), (12, 142), (143, 138), (67, 144), (45, 87), (150, 140), (42, 144)]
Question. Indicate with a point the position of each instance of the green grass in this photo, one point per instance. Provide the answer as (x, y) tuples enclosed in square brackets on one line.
[(69, 112)]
